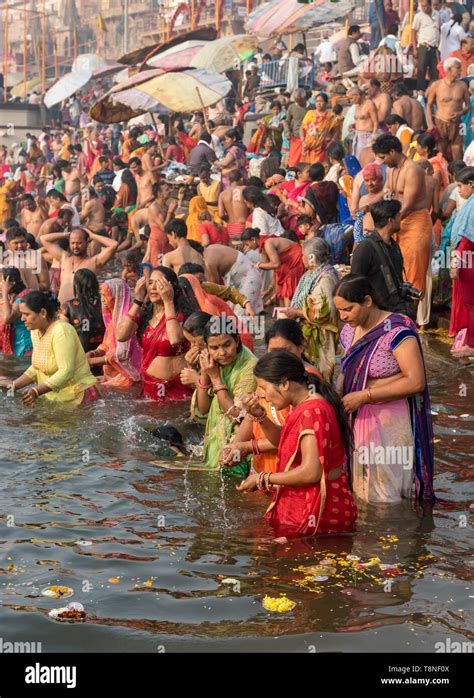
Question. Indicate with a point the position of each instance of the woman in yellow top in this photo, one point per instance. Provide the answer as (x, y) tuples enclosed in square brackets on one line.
[(58, 364)]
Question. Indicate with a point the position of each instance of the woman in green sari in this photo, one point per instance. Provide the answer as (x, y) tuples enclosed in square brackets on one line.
[(226, 374), (313, 305)]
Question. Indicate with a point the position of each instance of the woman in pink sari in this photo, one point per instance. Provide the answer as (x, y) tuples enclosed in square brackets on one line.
[(121, 360)]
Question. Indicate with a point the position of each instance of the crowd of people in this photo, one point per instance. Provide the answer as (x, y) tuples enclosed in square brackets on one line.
[(349, 214)]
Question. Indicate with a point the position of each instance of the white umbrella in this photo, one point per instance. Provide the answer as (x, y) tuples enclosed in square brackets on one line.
[(226, 53), (66, 86)]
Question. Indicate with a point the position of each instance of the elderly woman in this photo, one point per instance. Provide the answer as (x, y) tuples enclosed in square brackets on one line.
[(373, 179), (312, 303)]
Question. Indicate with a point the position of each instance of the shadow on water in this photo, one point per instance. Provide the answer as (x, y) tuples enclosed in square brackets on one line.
[(180, 560)]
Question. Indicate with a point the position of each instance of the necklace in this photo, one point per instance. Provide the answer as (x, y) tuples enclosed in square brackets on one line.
[(42, 334), (72, 266), (399, 171)]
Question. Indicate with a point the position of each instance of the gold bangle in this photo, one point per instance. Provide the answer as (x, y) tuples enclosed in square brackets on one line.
[(35, 390)]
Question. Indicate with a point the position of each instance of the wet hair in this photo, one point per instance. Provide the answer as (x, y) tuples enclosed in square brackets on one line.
[(135, 160), (466, 176), (17, 232), (337, 109), (286, 329), (385, 143), (65, 213), (86, 288), (316, 172), (118, 162), (33, 244), (190, 268), (119, 219), (196, 246), (382, 211), (280, 365), (395, 119), (354, 288), (196, 323), (169, 433), (290, 235), (129, 180), (13, 275), (222, 324), (42, 300), (250, 233), (181, 304), (257, 198), (427, 140), (176, 226)]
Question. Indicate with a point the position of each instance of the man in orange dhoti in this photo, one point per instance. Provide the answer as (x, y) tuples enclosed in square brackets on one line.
[(414, 239)]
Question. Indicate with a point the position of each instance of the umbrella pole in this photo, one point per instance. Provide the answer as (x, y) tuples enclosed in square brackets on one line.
[(157, 134), (203, 110)]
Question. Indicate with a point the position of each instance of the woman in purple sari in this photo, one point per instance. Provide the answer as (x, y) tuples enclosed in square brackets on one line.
[(383, 383)]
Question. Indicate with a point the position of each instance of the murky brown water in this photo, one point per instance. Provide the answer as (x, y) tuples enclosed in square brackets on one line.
[(167, 539)]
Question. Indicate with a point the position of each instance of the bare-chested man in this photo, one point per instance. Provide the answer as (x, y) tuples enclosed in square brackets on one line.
[(92, 215), (77, 257), (31, 265), (182, 253), (149, 160), (406, 182), (408, 107), (32, 216), (366, 120), (72, 181), (58, 224), (144, 180), (232, 206), (198, 127), (382, 100), (452, 99), (236, 269)]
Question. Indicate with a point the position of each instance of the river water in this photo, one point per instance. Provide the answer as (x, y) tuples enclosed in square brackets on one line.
[(146, 550)]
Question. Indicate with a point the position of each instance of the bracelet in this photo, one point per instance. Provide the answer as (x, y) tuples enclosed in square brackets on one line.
[(201, 385), (369, 396), (134, 318), (255, 449), (260, 480), (219, 388), (137, 302), (35, 390), (167, 319), (266, 478), (259, 420)]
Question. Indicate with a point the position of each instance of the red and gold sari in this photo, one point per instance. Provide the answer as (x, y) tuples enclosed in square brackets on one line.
[(323, 507)]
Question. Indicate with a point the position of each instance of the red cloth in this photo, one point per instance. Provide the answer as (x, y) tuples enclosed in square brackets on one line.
[(324, 507), (174, 152), (158, 244), (216, 236), (155, 343), (459, 314), (295, 155), (290, 271), (235, 230)]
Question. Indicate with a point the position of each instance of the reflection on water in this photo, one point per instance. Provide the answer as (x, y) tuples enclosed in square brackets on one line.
[(146, 549)]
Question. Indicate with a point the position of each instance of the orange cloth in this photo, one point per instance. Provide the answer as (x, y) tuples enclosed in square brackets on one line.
[(196, 206), (158, 245), (414, 239)]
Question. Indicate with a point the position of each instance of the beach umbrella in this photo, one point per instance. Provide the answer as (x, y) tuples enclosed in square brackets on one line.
[(219, 55), (287, 16), (66, 86), (181, 91), (140, 55)]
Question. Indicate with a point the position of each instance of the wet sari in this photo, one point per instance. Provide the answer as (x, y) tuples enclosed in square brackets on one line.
[(387, 424), (326, 506), (123, 358), (239, 380), (14, 337)]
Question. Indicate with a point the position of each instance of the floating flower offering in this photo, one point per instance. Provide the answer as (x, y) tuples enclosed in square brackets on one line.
[(57, 592), (279, 605)]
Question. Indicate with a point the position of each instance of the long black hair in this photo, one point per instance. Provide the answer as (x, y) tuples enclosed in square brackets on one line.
[(129, 179), (281, 365), (13, 275), (181, 304), (86, 287), (354, 288), (258, 199), (286, 329)]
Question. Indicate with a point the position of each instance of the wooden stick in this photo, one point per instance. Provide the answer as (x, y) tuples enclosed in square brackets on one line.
[(203, 110)]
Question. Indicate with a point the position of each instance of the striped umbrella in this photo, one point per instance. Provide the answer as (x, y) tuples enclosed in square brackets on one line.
[(287, 16)]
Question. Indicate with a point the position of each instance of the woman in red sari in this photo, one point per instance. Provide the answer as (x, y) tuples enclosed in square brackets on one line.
[(312, 493), (158, 326)]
